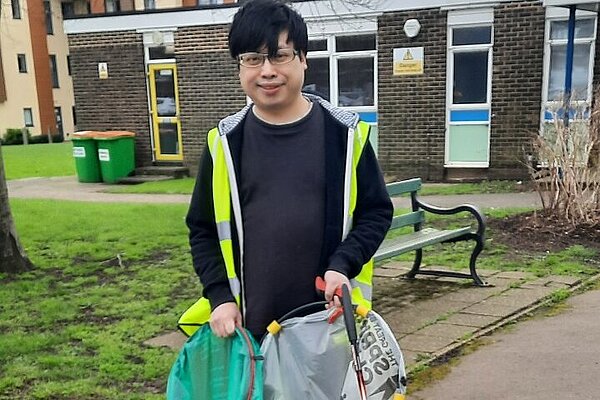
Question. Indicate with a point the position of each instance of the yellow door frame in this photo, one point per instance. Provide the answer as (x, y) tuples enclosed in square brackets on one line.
[(156, 120)]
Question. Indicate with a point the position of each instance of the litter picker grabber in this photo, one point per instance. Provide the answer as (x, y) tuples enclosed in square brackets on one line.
[(350, 323)]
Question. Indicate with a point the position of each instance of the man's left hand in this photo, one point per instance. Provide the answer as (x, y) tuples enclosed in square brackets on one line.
[(334, 280)]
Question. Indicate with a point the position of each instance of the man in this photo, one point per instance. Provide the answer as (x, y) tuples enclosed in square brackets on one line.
[(288, 188)]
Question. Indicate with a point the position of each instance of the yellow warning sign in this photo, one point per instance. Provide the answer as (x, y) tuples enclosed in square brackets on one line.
[(408, 61), (103, 70)]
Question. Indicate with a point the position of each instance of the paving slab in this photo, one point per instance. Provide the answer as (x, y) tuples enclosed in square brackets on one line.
[(412, 357), (568, 280), (423, 343), (471, 295), (409, 320), (449, 331), (491, 309), (514, 298), (441, 306), (475, 320), (513, 275)]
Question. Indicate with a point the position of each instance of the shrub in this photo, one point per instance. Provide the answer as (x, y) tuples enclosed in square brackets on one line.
[(14, 136), (58, 138), (567, 171)]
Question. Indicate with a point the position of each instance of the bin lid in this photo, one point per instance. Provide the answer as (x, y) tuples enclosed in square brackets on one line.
[(113, 134), (84, 134)]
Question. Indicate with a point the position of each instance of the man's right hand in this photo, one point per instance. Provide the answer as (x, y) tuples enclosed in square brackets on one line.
[(225, 318)]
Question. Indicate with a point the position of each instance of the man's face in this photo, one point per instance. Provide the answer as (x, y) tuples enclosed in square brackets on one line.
[(272, 86)]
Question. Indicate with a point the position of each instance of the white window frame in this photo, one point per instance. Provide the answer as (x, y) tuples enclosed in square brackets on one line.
[(28, 119), (548, 43), (467, 19), (333, 55)]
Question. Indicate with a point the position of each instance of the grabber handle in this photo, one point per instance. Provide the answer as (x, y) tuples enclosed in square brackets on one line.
[(349, 315), (320, 285)]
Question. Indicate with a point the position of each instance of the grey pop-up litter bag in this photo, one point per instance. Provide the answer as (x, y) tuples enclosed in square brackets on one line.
[(308, 358)]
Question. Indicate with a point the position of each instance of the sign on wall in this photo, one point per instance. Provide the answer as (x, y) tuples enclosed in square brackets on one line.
[(103, 70), (408, 61)]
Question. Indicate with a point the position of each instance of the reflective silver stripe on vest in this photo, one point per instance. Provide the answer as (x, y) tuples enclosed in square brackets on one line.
[(224, 230), (237, 212), (347, 182), (366, 290), (234, 285)]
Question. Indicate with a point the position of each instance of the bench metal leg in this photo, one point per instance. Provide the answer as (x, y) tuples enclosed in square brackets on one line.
[(474, 254), (472, 265), (416, 264)]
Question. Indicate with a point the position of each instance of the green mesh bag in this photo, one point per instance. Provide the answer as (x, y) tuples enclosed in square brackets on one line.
[(213, 368)]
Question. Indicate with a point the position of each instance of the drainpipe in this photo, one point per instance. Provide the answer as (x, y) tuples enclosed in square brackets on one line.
[(569, 66)]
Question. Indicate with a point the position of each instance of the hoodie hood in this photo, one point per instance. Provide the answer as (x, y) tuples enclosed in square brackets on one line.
[(347, 118)]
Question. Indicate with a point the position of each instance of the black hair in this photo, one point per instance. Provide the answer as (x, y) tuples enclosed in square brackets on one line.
[(260, 22)]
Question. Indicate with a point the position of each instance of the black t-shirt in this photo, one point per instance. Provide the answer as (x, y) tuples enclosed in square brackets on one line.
[(282, 191)]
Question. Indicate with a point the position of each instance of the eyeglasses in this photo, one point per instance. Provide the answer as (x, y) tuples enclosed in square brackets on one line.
[(254, 60)]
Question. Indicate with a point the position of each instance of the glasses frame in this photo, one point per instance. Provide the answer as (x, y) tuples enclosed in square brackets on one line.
[(265, 56)]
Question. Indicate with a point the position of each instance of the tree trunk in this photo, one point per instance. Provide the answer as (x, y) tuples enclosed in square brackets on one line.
[(12, 256)]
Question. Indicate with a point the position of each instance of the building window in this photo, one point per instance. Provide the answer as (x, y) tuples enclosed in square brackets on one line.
[(28, 117), (16, 9), (59, 120), (22, 63), (112, 6), (69, 65), (48, 16), (74, 113), (342, 69), (53, 71), (67, 9), (209, 2), (583, 60), (470, 52), (149, 4)]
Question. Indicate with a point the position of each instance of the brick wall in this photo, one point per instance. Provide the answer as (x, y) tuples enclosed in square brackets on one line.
[(207, 82), (412, 109), (119, 102), (516, 85), (209, 88)]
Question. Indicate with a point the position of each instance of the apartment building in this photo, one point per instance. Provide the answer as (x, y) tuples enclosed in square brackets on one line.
[(36, 89), (99, 7)]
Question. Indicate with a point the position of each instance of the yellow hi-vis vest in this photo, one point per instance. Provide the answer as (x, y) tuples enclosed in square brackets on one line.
[(226, 198)]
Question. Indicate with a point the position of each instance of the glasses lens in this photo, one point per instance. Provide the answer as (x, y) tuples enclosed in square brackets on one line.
[(252, 59), (282, 57)]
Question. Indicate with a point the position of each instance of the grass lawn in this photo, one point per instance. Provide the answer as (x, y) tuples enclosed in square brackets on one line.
[(110, 276), (54, 159), (76, 324), (186, 185)]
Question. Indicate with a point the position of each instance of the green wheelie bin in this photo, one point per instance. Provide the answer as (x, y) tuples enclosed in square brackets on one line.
[(85, 153), (116, 153)]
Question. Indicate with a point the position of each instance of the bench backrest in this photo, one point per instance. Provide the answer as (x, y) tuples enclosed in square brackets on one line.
[(414, 218)]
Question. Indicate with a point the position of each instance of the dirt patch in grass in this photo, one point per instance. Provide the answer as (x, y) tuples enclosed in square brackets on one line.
[(539, 231)]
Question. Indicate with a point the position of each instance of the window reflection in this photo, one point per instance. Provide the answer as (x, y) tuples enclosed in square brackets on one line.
[(316, 80), (355, 82), (470, 77), (165, 93)]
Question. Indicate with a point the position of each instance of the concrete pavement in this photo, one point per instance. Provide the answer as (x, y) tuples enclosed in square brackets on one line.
[(67, 188), (547, 358)]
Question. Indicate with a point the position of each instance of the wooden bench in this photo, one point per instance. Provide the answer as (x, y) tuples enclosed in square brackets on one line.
[(422, 236)]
